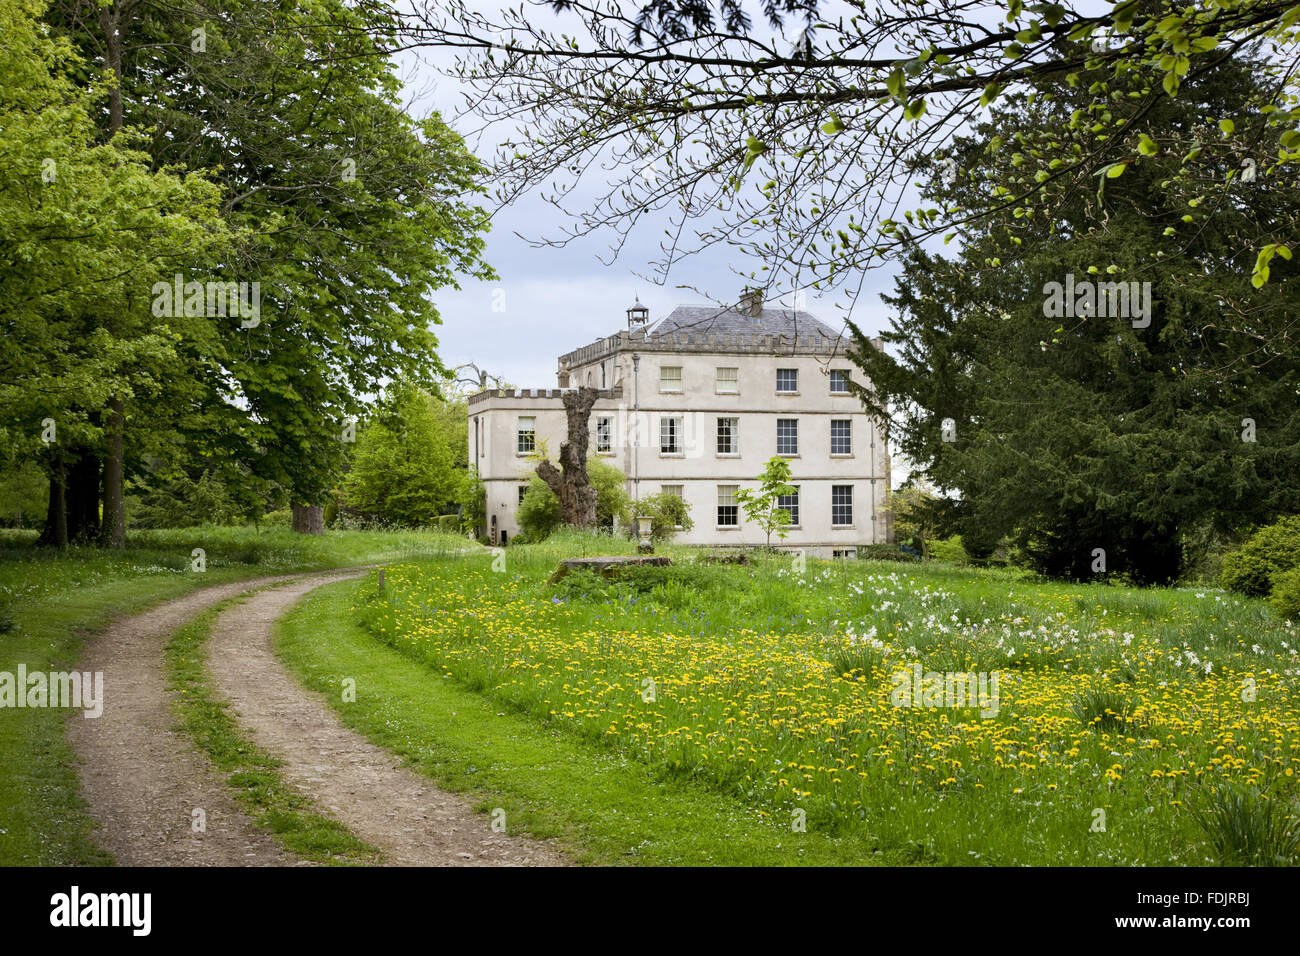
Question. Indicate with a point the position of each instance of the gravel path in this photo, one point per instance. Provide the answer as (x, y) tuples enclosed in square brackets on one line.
[(142, 778), (363, 786)]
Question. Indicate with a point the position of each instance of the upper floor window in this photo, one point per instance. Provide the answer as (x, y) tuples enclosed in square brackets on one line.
[(670, 436), (839, 382), (787, 380), (527, 435), (841, 436), (523, 490), (728, 381), (670, 378), (674, 490), (604, 435), (787, 436), (728, 439)]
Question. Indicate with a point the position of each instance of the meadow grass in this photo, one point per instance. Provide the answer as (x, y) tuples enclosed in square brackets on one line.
[(49, 599), (1116, 708), (601, 806)]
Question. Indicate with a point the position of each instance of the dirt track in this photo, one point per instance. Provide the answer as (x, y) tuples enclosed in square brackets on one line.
[(144, 779)]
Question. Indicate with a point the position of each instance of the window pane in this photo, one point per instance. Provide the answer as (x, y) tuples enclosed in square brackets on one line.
[(675, 490), (670, 431), (841, 504), (728, 437), (604, 434), (787, 380), (839, 381), (787, 436), (791, 504), (527, 442), (728, 513), (670, 378), (728, 380), (841, 436)]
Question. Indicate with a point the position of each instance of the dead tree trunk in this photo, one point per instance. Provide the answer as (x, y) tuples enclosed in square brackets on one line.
[(571, 485)]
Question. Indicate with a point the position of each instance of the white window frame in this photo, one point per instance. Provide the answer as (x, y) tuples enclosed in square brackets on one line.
[(844, 376), (730, 498), (670, 427), (733, 381), (733, 437), (669, 384), (834, 505), (787, 391), (521, 432), (785, 421), (608, 447), (792, 508), (849, 451)]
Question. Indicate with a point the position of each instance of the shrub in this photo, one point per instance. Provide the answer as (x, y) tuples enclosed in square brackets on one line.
[(539, 512), (668, 514), (1270, 551), (449, 524), (948, 550), (886, 552), (1286, 594), (613, 505)]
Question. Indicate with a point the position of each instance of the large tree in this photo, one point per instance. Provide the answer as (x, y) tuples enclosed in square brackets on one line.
[(86, 227), (1075, 426), (349, 214)]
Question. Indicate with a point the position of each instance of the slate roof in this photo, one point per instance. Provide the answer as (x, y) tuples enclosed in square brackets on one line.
[(713, 319)]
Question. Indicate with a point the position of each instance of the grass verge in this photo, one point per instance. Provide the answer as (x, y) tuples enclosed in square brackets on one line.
[(50, 599), (260, 790), (603, 808)]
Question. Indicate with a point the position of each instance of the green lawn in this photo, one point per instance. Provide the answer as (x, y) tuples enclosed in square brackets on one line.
[(49, 600)]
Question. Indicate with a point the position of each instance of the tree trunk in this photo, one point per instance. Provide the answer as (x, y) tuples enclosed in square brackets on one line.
[(113, 21), (308, 519), (112, 531), (55, 532), (573, 486)]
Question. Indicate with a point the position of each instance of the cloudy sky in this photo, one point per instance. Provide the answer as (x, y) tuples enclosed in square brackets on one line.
[(549, 301)]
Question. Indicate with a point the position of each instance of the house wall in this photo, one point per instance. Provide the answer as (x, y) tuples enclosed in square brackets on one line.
[(698, 467)]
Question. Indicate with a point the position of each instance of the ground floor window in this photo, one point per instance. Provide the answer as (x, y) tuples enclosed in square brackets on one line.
[(728, 513), (841, 505)]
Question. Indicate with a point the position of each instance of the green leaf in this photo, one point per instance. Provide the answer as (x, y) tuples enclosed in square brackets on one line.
[(1227, 126), (1146, 145), (835, 125)]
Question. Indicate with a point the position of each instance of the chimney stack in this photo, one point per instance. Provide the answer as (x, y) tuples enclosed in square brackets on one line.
[(751, 303)]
